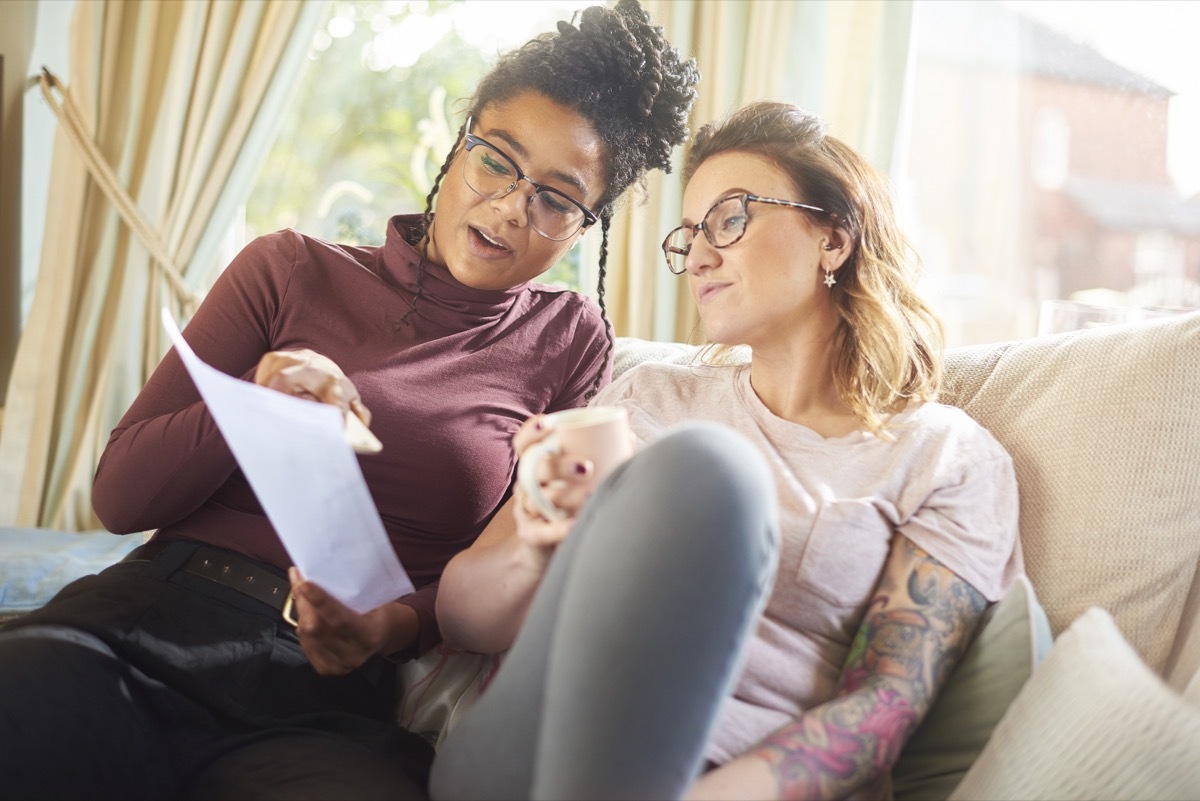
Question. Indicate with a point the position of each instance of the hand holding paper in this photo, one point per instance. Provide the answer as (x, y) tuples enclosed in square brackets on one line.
[(295, 455), (307, 374)]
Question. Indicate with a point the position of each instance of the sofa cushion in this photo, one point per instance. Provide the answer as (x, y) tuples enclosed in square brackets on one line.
[(1192, 691), (36, 563), (629, 352), (1103, 426), (1092, 722), (1013, 638)]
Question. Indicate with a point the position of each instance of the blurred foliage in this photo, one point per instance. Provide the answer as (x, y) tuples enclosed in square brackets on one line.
[(366, 131), (340, 166)]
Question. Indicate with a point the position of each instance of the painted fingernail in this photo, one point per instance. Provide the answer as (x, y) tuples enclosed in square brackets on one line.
[(580, 468), (539, 425)]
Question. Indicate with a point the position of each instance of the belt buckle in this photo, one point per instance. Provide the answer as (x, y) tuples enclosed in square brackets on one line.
[(289, 610)]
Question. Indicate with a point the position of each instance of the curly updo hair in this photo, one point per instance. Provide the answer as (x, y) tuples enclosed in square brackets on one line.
[(617, 70)]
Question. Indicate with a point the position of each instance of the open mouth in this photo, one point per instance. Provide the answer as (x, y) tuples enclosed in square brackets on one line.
[(487, 243)]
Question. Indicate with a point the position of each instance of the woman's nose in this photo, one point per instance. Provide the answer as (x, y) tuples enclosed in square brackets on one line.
[(514, 206), (701, 255)]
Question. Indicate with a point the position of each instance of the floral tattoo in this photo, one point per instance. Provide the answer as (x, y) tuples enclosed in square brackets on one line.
[(917, 625)]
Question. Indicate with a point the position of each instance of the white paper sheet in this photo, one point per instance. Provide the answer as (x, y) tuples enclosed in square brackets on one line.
[(295, 456)]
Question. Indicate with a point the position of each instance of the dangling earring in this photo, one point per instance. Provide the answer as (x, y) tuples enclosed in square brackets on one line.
[(829, 279)]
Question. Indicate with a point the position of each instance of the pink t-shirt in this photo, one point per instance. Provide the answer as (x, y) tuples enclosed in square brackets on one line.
[(944, 483)]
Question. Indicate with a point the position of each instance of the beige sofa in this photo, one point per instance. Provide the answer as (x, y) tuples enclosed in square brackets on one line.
[(1104, 429)]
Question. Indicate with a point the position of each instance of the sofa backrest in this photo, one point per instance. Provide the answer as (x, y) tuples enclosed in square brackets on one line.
[(1103, 426)]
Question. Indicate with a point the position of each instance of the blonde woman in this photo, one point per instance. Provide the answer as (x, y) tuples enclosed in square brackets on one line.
[(766, 599)]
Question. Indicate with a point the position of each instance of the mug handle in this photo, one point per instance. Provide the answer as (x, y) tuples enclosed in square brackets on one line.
[(527, 476)]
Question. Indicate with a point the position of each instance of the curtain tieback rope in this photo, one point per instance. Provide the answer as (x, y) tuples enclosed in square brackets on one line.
[(68, 113)]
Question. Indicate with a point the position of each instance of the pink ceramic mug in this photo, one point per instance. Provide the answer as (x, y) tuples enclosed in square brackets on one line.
[(599, 434)]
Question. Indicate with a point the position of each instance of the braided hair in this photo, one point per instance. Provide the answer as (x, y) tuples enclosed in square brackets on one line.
[(617, 70)]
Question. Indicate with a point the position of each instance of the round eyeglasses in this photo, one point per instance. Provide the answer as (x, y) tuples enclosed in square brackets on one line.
[(489, 172), (723, 225)]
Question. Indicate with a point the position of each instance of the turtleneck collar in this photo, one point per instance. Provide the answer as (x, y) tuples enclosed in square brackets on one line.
[(445, 301)]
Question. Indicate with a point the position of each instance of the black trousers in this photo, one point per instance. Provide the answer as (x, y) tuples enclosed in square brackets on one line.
[(149, 682)]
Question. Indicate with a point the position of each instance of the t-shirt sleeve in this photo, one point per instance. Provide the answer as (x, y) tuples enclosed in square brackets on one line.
[(589, 355), (968, 522), (166, 456)]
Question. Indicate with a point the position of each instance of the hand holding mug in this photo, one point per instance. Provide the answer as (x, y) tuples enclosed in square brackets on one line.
[(598, 438)]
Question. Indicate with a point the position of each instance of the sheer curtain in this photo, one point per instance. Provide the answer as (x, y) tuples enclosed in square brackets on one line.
[(179, 101), (844, 59)]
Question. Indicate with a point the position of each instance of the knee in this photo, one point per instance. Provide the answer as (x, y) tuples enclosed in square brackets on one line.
[(711, 478), (35, 656), (706, 460)]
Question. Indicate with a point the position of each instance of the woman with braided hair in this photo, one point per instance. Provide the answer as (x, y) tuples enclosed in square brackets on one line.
[(172, 673)]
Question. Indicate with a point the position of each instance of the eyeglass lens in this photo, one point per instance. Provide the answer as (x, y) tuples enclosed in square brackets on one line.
[(723, 225), (491, 174)]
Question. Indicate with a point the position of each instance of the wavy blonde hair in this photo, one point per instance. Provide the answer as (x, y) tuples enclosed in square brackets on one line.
[(888, 345)]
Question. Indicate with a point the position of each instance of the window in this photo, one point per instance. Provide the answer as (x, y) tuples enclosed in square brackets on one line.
[(1049, 154), (375, 112), (1051, 148), (1051, 157)]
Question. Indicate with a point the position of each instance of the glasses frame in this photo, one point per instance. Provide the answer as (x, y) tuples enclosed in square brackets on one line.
[(747, 198), (471, 141)]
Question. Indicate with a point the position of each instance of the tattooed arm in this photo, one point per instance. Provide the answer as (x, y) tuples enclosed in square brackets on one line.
[(919, 622)]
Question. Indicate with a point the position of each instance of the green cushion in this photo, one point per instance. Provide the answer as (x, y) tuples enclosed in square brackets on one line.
[(1013, 638)]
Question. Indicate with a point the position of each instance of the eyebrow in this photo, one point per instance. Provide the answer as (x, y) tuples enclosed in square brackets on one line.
[(562, 177)]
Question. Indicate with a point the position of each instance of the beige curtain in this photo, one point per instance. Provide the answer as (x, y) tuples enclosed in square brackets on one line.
[(844, 59), (866, 70), (179, 101)]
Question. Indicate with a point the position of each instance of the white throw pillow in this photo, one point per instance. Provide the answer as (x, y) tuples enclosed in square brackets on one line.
[(1092, 722)]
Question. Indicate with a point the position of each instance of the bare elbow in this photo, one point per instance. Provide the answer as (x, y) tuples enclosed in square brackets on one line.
[(464, 618), (479, 640)]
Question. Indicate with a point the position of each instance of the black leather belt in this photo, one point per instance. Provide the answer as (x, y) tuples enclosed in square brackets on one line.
[(224, 567)]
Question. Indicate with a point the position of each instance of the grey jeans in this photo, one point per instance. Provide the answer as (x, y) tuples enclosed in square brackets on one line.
[(635, 635)]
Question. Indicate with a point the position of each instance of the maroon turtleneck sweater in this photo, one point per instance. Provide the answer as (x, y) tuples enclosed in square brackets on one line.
[(447, 391)]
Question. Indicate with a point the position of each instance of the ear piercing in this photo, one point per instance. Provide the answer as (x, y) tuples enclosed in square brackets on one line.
[(829, 279)]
